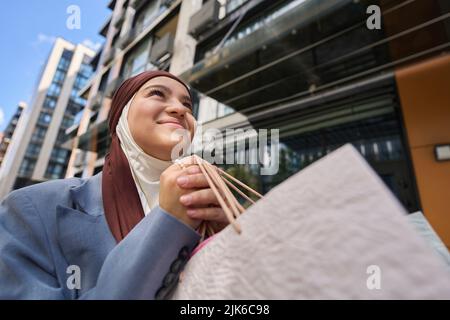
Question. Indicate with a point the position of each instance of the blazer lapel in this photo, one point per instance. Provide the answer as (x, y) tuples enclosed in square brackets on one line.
[(82, 231)]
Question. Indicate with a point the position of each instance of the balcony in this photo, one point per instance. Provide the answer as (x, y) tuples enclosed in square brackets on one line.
[(104, 30), (118, 23), (167, 3), (162, 48), (292, 54), (43, 123), (269, 44), (205, 18), (112, 87), (96, 138), (74, 107), (138, 4), (71, 132), (112, 4), (80, 159), (109, 56), (95, 60), (69, 136), (97, 101), (126, 39), (36, 139)]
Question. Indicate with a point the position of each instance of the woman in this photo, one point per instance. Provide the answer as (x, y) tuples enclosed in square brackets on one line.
[(124, 233)]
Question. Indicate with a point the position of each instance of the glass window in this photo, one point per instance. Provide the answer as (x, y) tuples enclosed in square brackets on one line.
[(59, 155), (67, 122), (33, 150), (86, 70), (61, 138), (54, 171), (234, 4), (86, 60), (54, 90), (114, 40), (45, 117), (64, 62), (67, 54), (146, 15), (59, 76), (39, 133), (223, 110), (50, 102), (80, 81), (78, 117), (137, 61), (27, 167), (74, 92), (104, 81)]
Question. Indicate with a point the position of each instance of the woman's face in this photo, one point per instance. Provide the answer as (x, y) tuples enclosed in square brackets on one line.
[(160, 107)]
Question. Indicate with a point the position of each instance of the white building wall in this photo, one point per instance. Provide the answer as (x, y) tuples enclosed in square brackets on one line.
[(52, 132), (26, 125)]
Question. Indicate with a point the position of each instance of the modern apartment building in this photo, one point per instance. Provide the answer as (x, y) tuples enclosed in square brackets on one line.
[(8, 134), (314, 69), (35, 153)]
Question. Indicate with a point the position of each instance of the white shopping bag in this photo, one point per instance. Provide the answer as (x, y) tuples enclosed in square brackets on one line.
[(332, 231)]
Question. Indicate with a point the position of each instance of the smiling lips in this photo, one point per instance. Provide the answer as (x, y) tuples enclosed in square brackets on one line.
[(172, 123)]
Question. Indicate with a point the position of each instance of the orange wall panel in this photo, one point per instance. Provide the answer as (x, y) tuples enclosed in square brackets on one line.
[(424, 90), (433, 179)]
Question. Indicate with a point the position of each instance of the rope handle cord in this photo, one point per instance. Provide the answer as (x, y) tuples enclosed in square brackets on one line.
[(219, 181)]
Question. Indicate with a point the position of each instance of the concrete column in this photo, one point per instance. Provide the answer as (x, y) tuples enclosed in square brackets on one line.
[(184, 46)]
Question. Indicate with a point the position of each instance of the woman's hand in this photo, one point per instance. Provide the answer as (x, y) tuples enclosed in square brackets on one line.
[(170, 193), (199, 199), (185, 194)]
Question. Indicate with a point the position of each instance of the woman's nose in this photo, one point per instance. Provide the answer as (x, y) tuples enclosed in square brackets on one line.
[(176, 107)]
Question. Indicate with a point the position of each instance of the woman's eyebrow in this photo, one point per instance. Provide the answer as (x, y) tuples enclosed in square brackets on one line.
[(184, 98)]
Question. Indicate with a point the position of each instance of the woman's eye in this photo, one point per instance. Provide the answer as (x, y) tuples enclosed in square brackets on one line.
[(161, 94), (156, 92)]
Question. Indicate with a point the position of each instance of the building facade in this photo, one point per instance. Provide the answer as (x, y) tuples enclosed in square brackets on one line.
[(8, 134), (314, 69), (35, 153)]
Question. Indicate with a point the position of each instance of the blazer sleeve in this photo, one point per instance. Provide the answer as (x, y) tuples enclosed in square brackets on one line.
[(147, 262), (27, 270), (144, 265)]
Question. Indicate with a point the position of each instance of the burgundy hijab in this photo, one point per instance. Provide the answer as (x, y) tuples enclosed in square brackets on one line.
[(123, 209)]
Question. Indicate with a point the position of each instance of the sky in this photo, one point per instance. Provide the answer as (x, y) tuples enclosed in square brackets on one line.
[(28, 29)]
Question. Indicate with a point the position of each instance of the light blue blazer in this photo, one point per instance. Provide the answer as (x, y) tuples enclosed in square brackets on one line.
[(53, 232)]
